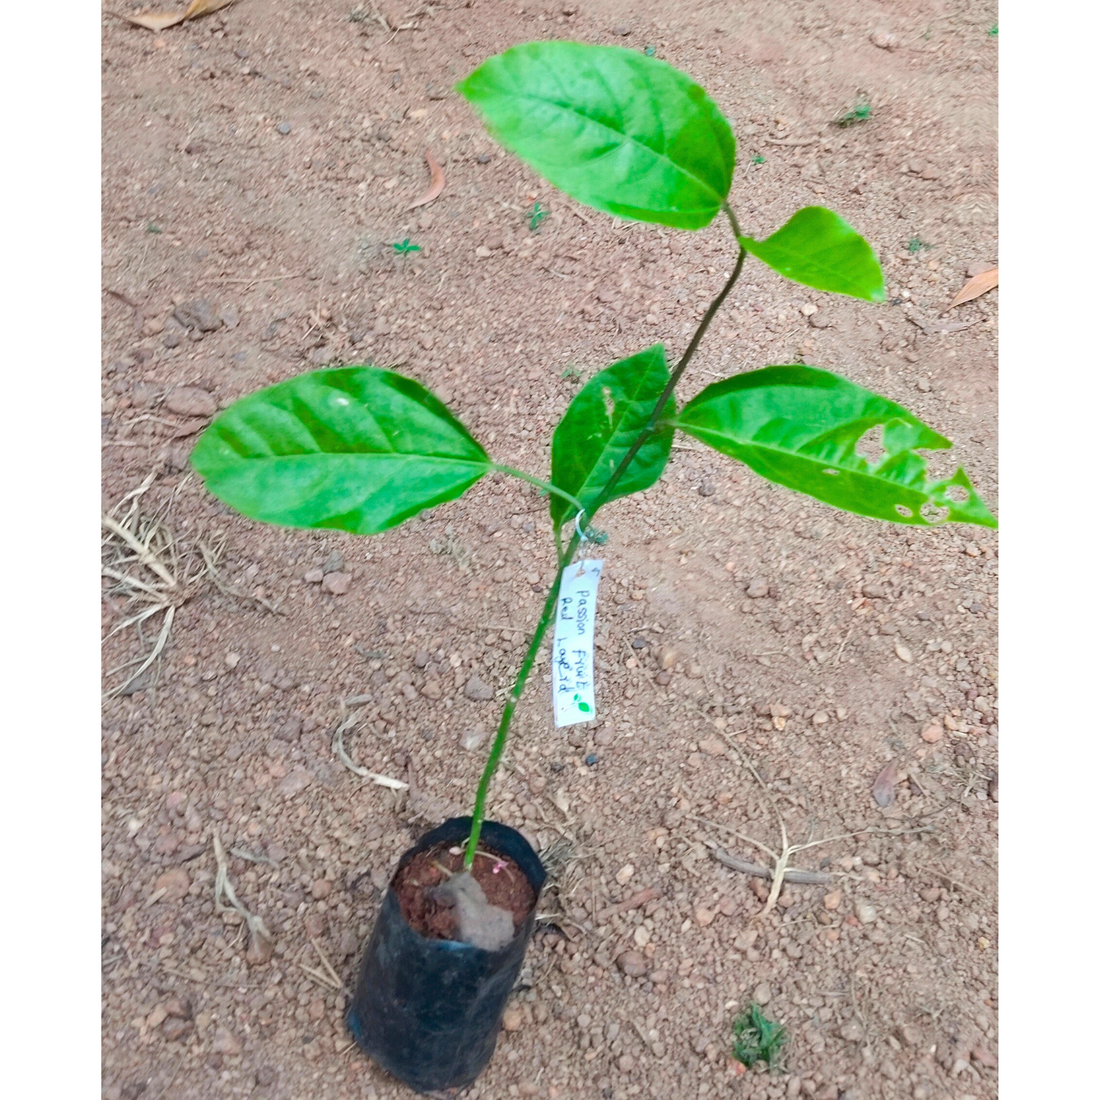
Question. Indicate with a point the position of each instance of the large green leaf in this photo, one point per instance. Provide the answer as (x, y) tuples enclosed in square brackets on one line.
[(625, 133), (820, 249), (800, 426), (600, 426), (357, 448)]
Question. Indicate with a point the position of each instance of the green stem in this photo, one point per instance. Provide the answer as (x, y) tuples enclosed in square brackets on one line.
[(501, 739), (546, 486), (666, 394)]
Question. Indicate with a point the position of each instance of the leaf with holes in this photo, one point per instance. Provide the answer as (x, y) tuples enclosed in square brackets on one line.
[(600, 425), (820, 249), (801, 427), (625, 133), (357, 448)]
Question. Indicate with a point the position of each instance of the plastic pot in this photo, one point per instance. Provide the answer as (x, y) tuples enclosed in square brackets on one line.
[(428, 1010)]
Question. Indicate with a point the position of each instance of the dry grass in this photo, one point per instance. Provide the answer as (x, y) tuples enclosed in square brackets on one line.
[(148, 576), (151, 573)]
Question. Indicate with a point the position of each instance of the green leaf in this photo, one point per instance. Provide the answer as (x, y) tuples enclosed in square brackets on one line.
[(625, 133), (820, 249), (600, 426), (358, 448), (800, 426)]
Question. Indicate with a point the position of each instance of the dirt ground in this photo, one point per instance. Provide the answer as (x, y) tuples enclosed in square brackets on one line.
[(263, 160)]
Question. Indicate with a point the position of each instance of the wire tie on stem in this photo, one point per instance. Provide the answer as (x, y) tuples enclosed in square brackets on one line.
[(580, 526)]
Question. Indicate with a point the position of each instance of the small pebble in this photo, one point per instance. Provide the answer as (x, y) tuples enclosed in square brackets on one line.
[(336, 584), (885, 40), (704, 916), (624, 874), (314, 576), (512, 1019), (225, 1042), (745, 939), (632, 963), (712, 746), (865, 911), (832, 900), (321, 889), (283, 127), (260, 951), (756, 589), (762, 994), (473, 739), (477, 690), (932, 733), (904, 653), (623, 29), (175, 884), (295, 782), (179, 1007), (175, 1029), (191, 401)]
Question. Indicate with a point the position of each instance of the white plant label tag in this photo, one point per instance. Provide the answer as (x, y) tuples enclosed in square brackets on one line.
[(573, 679)]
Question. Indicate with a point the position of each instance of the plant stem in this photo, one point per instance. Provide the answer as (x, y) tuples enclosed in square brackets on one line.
[(546, 486), (666, 394), (501, 739)]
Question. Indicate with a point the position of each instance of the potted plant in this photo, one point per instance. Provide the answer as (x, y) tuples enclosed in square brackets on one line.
[(363, 449)]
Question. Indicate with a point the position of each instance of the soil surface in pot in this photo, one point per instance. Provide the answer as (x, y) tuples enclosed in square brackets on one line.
[(504, 884)]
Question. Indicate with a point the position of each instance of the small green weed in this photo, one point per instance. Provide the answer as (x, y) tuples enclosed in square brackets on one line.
[(992, 32), (927, 32), (535, 216), (570, 373), (403, 248), (916, 245), (650, 51), (151, 228), (758, 159), (861, 112), (756, 1038)]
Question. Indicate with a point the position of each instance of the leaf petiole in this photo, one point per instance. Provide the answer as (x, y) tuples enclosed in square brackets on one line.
[(545, 486)]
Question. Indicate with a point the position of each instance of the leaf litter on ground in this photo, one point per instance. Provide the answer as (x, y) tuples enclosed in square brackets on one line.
[(976, 287), (161, 20), (438, 180), (884, 786)]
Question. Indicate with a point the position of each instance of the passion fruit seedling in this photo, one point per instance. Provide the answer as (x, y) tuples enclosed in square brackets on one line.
[(363, 449)]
